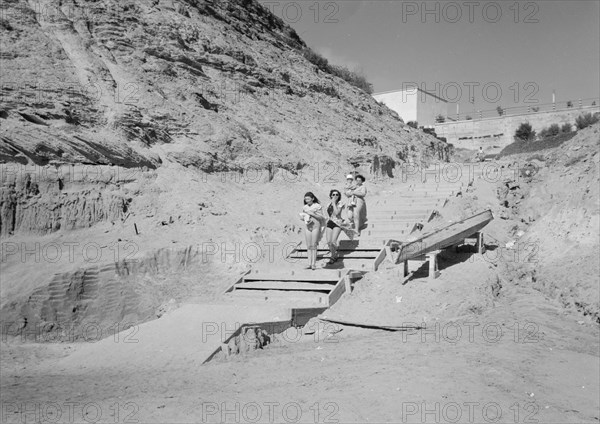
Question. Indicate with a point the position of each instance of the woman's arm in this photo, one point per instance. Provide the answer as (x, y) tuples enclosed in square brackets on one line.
[(315, 213), (360, 191), (336, 208)]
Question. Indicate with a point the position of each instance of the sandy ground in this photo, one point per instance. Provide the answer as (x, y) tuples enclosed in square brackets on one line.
[(529, 365), (501, 341), (492, 351)]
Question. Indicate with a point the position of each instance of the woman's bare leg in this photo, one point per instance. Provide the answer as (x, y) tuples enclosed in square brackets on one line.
[(315, 234), (330, 240), (308, 237), (335, 234)]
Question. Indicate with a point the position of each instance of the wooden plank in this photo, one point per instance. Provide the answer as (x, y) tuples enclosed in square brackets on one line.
[(399, 223), (340, 288), (348, 254), (337, 292), (389, 327), (298, 275), (285, 285), (380, 258), (239, 280), (358, 254), (345, 249), (300, 316), (400, 211), (294, 249), (314, 280), (409, 201), (387, 234)]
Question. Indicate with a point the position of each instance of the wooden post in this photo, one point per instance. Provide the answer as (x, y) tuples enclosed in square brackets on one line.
[(405, 268), (433, 265), (348, 284), (480, 244)]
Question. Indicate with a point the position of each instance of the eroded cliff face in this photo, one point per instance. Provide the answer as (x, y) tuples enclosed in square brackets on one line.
[(554, 199), (40, 200)]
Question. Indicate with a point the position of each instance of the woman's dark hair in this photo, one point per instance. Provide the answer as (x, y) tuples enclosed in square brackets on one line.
[(309, 194), (361, 177), (335, 191)]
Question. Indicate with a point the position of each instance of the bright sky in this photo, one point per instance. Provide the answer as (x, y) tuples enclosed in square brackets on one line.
[(526, 49)]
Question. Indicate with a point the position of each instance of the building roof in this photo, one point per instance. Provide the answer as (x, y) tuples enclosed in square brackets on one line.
[(412, 88)]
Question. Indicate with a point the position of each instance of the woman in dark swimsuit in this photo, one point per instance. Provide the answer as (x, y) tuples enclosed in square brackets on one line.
[(334, 223)]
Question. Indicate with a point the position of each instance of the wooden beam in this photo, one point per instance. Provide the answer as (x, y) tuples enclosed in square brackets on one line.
[(389, 327), (380, 257), (284, 285), (239, 280)]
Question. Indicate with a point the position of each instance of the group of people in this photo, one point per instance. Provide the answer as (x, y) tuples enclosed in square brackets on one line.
[(349, 216)]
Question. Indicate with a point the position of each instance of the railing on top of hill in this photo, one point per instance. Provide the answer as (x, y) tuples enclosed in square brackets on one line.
[(568, 105)]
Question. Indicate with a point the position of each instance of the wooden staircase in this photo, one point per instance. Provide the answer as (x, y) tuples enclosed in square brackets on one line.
[(308, 292)]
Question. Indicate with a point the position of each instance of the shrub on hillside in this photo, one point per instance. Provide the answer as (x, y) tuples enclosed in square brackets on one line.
[(413, 124), (525, 132), (585, 120), (352, 77), (316, 59), (566, 128), (553, 130)]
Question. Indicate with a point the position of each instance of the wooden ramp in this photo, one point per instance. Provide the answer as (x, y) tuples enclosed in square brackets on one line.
[(397, 251)]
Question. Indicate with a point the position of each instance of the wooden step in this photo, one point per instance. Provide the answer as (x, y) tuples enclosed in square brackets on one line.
[(401, 212), (345, 246), (400, 217), (293, 299), (403, 204), (285, 285), (384, 234), (299, 275), (355, 254), (356, 244), (403, 226)]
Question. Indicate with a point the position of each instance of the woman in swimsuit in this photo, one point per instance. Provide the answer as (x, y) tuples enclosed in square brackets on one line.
[(313, 218), (360, 210), (334, 223)]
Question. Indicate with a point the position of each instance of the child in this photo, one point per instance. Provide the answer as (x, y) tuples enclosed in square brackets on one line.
[(350, 185)]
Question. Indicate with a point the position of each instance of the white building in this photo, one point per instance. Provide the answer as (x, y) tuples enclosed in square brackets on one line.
[(414, 104)]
